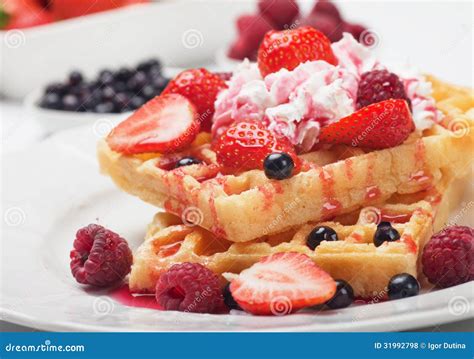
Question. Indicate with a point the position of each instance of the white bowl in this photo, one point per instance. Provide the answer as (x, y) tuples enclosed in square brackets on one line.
[(57, 120), (223, 61), (181, 33)]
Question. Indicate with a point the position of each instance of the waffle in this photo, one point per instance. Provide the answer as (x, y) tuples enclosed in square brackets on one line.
[(241, 207), (353, 257)]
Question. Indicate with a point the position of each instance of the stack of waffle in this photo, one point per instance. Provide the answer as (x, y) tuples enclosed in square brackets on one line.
[(228, 221)]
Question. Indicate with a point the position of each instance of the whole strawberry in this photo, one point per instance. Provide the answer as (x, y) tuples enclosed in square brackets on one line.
[(448, 258), (289, 48), (201, 88), (245, 145)]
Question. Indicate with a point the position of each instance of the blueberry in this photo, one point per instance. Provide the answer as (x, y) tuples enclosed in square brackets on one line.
[(106, 77), (343, 297), (229, 299), (70, 103), (148, 92), (159, 83), (123, 74), (385, 233), (278, 166), (105, 107), (51, 101), (319, 234), (119, 86), (75, 78), (186, 161), (148, 65), (402, 286), (108, 93), (57, 88), (137, 81), (136, 102)]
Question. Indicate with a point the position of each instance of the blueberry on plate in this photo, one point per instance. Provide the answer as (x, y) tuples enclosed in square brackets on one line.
[(403, 285), (229, 299), (343, 297), (186, 161), (319, 234), (278, 166), (385, 233)]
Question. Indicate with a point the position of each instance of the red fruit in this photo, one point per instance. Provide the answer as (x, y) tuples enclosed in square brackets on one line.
[(326, 24), (380, 85), (281, 12), (66, 9), (448, 258), (380, 125), (326, 7), (252, 29), (100, 257), (167, 123), (201, 88), (281, 284), (245, 145), (289, 48), (225, 76), (21, 14), (189, 287), (239, 50)]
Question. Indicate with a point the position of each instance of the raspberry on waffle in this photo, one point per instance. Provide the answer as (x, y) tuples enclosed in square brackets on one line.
[(353, 257)]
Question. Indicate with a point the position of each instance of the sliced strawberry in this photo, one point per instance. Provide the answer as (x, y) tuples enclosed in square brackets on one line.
[(245, 145), (281, 284), (380, 125), (289, 48), (201, 88), (167, 123)]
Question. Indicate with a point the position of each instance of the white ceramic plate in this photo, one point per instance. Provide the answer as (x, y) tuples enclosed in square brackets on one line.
[(54, 188)]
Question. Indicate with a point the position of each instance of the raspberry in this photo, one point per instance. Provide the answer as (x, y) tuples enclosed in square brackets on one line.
[(379, 85), (189, 287), (100, 257), (448, 258), (281, 12), (225, 76)]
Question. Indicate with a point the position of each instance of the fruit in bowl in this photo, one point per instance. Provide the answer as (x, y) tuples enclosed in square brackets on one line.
[(21, 14), (284, 14), (122, 90)]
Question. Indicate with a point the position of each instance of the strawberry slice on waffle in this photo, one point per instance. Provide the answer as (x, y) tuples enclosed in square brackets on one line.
[(380, 125), (167, 123), (282, 283)]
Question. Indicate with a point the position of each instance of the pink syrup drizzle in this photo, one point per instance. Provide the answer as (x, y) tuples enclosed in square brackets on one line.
[(125, 297)]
